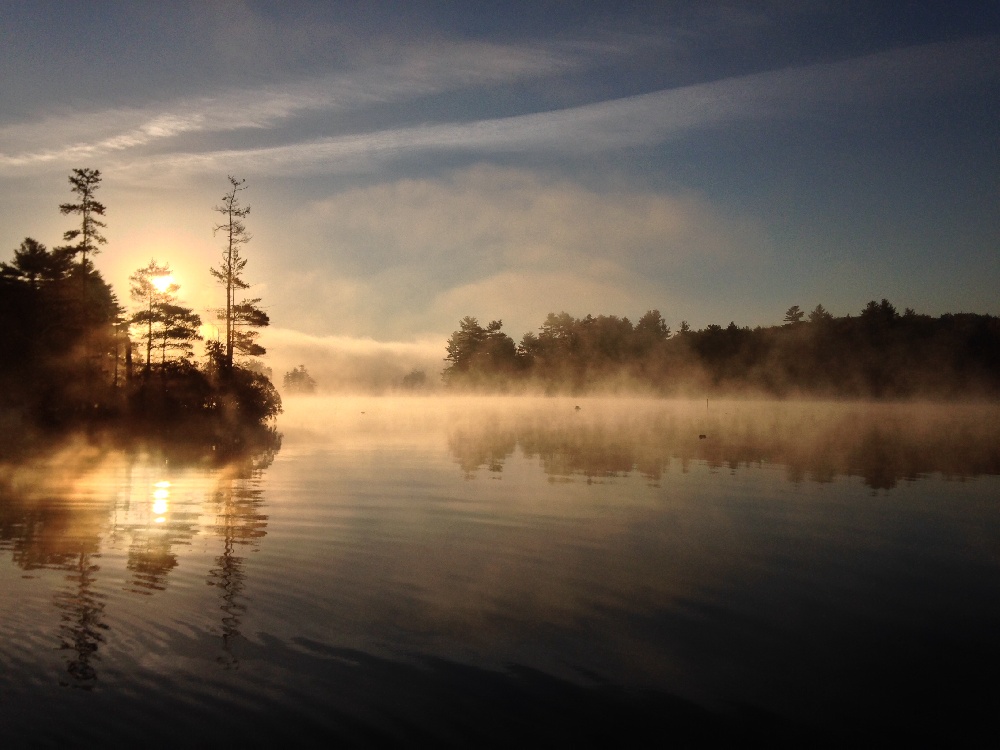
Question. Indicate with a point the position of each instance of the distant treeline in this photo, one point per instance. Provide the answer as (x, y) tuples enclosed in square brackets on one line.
[(72, 353), (878, 354)]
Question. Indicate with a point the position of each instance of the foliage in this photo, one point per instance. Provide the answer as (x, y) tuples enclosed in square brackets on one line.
[(85, 182), (61, 334), (480, 356), (415, 379), (178, 329), (36, 266), (794, 314), (819, 315), (165, 325), (245, 397), (150, 298), (298, 380), (68, 355), (240, 316), (878, 354)]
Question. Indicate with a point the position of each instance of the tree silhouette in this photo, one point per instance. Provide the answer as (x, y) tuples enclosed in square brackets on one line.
[(298, 380), (477, 354), (820, 315), (415, 379), (178, 329), (794, 315), (151, 298), (85, 183), (653, 325), (168, 326), (247, 316), (66, 338), (878, 354), (34, 264), (239, 316)]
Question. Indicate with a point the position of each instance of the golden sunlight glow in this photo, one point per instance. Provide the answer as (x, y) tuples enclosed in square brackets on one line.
[(160, 495), (209, 331), (162, 283)]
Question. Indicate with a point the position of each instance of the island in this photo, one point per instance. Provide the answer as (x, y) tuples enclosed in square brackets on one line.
[(75, 357)]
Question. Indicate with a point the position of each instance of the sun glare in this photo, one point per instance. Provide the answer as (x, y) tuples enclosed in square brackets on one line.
[(162, 283)]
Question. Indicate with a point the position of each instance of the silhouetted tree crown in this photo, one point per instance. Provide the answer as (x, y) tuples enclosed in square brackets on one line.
[(150, 299), (794, 314), (85, 182), (298, 380), (820, 315), (240, 317), (68, 355), (415, 379), (878, 354)]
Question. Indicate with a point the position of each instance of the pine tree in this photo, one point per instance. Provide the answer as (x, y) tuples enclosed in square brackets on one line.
[(178, 330), (299, 381), (794, 315), (151, 296), (239, 315), (85, 183)]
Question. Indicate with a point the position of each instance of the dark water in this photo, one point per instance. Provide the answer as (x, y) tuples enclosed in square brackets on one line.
[(488, 572)]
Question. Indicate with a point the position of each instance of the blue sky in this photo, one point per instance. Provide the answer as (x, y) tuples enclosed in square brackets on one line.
[(411, 163)]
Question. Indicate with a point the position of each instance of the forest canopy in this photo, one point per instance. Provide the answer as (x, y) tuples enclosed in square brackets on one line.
[(878, 354)]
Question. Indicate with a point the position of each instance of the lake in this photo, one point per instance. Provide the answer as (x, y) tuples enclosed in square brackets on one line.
[(480, 571)]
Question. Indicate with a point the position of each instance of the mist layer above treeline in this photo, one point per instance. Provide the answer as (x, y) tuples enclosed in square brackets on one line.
[(878, 354)]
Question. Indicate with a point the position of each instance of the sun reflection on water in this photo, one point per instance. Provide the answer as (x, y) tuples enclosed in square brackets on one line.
[(160, 496)]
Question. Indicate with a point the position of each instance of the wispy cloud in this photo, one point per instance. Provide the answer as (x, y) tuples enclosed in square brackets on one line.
[(416, 72), (636, 120)]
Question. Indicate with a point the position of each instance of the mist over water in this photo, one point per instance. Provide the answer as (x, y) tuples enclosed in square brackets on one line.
[(488, 570)]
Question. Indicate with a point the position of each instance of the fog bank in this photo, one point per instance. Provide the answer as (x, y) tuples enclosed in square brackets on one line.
[(344, 364)]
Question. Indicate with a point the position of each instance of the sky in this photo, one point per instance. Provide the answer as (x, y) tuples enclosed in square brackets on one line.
[(411, 163)]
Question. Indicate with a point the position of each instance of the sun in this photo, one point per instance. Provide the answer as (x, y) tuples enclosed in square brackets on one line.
[(163, 283)]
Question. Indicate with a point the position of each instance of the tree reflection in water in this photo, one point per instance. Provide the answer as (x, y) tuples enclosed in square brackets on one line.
[(881, 443), (62, 506), (240, 524), (81, 629)]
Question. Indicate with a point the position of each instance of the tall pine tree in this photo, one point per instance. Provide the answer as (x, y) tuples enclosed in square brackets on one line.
[(240, 315), (85, 183)]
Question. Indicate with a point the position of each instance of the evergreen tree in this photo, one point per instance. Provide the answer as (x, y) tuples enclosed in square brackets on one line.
[(34, 264), (820, 315), (178, 329), (478, 353), (246, 317), (85, 183), (794, 315), (239, 316), (151, 289), (415, 379), (298, 380)]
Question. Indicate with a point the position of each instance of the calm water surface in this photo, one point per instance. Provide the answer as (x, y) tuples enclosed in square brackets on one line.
[(477, 571)]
